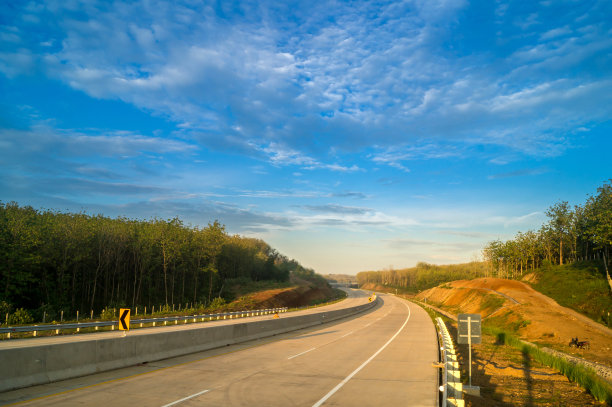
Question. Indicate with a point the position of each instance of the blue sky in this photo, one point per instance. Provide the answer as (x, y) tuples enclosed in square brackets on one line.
[(349, 135)]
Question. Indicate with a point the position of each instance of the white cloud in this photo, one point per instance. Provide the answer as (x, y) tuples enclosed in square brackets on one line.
[(281, 156), (372, 74)]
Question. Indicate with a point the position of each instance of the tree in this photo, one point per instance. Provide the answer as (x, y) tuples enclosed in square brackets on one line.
[(560, 216), (598, 210)]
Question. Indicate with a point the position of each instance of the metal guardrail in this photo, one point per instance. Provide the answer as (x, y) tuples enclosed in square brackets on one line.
[(452, 386), (165, 320)]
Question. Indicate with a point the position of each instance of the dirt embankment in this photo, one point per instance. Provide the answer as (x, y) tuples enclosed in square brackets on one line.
[(303, 293), (516, 305), (291, 297)]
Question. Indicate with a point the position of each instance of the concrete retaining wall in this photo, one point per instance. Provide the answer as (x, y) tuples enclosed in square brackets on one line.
[(22, 367)]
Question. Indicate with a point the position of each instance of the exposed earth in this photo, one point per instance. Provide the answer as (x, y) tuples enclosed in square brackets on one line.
[(303, 293), (507, 377), (538, 318)]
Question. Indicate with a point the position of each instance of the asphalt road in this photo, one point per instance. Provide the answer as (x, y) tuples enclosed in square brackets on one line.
[(381, 357)]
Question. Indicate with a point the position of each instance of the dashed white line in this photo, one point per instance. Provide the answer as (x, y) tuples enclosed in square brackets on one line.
[(349, 377), (300, 354), (186, 398), (347, 334)]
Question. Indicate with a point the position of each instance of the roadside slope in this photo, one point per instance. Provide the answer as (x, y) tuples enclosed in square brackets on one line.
[(534, 316)]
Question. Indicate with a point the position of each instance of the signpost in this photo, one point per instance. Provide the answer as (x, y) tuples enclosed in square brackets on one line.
[(468, 332), (124, 319)]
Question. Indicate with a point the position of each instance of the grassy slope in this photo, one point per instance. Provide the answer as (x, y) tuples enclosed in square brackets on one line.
[(581, 286)]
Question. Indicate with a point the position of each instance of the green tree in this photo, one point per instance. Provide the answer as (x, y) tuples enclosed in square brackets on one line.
[(560, 215)]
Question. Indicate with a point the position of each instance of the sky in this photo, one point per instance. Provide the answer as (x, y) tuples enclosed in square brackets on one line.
[(350, 136)]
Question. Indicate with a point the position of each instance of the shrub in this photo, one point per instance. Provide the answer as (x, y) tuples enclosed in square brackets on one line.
[(21, 316)]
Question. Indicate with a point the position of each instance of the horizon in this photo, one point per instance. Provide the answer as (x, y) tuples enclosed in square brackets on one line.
[(350, 137)]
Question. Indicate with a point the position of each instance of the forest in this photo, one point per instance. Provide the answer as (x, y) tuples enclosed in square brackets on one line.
[(52, 262), (583, 232), (421, 277)]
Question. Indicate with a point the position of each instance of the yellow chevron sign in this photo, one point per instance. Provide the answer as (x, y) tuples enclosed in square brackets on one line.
[(124, 319)]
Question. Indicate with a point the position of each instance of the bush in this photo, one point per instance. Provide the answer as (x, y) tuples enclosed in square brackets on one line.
[(20, 317), (217, 303), (107, 313)]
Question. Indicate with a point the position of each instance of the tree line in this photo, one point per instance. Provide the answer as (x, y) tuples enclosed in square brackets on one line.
[(421, 277), (52, 261), (583, 232)]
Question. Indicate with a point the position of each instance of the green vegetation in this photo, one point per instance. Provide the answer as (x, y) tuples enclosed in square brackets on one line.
[(581, 233), (492, 302), (310, 276), (421, 277), (580, 374), (581, 286), (52, 262)]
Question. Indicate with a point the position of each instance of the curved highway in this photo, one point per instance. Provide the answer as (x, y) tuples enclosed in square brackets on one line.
[(380, 357)]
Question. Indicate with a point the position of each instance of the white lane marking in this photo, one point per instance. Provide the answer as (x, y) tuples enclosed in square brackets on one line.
[(300, 354), (186, 398), (347, 334), (349, 377)]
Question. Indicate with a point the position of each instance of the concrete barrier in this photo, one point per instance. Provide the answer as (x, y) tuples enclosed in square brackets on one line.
[(32, 365)]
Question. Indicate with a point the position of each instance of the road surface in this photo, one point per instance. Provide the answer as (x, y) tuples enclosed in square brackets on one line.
[(381, 357)]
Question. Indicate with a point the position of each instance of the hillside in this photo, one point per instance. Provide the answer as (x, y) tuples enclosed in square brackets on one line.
[(581, 286), (515, 306)]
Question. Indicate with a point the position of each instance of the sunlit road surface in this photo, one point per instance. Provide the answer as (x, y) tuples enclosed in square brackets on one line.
[(381, 357)]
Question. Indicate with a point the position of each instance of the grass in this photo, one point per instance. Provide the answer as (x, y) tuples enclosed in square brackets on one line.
[(581, 286), (580, 374), (492, 302)]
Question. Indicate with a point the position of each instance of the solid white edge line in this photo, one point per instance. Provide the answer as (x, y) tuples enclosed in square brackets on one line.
[(299, 354), (350, 376), (186, 398)]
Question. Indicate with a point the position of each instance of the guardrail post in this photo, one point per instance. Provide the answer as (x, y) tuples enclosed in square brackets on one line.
[(452, 387)]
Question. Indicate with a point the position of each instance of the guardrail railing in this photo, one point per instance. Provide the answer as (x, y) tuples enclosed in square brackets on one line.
[(161, 320), (452, 387)]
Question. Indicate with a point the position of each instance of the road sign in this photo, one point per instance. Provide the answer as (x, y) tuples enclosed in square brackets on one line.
[(468, 328), (124, 319), (468, 331)]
